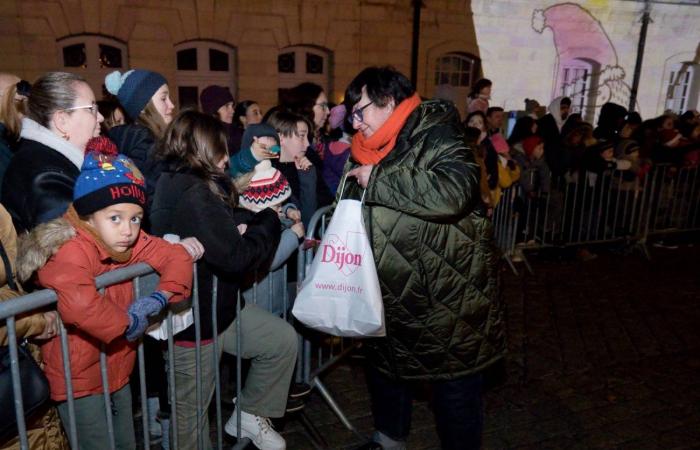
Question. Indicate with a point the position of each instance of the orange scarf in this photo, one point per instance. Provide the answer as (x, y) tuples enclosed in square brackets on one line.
[(375, 148)]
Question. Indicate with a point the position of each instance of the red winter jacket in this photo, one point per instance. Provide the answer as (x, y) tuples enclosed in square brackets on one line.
[(93, 319)]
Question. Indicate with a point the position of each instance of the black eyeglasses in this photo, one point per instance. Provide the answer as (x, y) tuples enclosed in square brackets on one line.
[(357, 113)]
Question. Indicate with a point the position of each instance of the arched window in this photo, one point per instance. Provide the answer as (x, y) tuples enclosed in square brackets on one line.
[(301, 63), (200, 64), (683, 89), (579, 82), (456, 69), (93, 56), (452, 75)]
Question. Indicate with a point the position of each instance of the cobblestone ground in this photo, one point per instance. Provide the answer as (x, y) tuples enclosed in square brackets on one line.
[(604, 354)]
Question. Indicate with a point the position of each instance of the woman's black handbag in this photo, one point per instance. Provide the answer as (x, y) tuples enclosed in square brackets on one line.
[(35, 389), (35, 386)]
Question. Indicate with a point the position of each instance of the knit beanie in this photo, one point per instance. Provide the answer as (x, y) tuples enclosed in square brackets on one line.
[(258, 130), (530, 143), (268, 187), (106, 180), (214, 97), (337, 116), (134, 88)]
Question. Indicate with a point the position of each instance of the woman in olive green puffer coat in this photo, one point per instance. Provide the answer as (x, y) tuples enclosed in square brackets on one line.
[(432, 243)]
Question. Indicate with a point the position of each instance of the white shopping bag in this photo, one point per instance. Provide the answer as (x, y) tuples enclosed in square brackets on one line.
[(181, 320), (341, 294)]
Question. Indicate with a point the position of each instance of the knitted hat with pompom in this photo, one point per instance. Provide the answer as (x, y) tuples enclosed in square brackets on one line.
[(267, 188), (134, 88)]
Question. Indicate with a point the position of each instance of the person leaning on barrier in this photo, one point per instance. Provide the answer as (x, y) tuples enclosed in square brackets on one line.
[(100, 232), (43, 427), (196, 197), (435, 256)]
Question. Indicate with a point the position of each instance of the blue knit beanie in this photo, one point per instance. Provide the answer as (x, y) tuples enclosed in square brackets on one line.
[(107, 180), (134, 88)]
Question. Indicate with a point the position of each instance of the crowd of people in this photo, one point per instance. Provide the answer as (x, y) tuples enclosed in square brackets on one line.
[(90, 186)]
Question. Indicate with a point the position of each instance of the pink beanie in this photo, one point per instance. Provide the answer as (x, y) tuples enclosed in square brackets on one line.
[(337, 116)]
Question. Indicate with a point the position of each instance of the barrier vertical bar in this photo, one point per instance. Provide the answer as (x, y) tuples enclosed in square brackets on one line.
[(617, 208), (105, 391), (16, 382), (694, 193), (197, 357), (65, 355), (239, 350), (142, 379), (171, 381), (573, 208), (106, 395), (217, 375)]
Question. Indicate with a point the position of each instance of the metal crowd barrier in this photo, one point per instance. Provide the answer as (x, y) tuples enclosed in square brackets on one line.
[(319, 351), (10, 309), (592, 208)]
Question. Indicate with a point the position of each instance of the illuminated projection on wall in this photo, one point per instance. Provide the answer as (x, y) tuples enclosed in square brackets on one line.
[(587, 68)]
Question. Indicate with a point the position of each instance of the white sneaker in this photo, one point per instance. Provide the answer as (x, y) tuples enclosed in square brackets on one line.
[(258, 429)]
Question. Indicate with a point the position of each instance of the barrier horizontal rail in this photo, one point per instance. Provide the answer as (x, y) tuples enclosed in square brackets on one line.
[(586, 208), (38, 301)]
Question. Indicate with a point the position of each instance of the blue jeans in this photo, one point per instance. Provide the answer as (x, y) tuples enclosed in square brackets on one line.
[(456, 405)]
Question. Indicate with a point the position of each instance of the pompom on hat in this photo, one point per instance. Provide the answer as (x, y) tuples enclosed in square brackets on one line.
[(214, 97), (267, 188), (134, 88), (107, 180)]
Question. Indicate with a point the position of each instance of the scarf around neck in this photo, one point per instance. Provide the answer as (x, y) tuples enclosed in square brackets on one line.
[(373, 149)]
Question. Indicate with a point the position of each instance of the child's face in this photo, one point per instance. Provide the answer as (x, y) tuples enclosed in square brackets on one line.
[(267, 142), (295, 145), (118, 225), (538, 152)]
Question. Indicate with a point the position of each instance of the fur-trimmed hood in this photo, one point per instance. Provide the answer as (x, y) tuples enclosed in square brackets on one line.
[(36, 247)]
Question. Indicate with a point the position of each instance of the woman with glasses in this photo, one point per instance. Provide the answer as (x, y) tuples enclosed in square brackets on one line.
[(436, 260), (145, 97), (310, 101), (61, 117)]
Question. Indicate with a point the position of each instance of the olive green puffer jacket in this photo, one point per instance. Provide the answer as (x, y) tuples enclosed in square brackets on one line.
[(434, 252)]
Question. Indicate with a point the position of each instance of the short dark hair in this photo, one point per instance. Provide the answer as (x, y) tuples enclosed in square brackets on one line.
[(493, 109), (382, 84), (478, 86), (565, 101), (301, 99), (285, 122)]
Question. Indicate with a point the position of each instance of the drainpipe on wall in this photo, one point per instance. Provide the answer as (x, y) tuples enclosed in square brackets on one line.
[(417, 5), (646, 18)]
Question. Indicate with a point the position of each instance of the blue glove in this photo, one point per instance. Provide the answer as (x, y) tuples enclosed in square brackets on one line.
[(140, 311)]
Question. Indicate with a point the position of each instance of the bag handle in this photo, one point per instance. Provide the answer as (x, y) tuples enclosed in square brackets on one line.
[(342, 190), (8, 269)]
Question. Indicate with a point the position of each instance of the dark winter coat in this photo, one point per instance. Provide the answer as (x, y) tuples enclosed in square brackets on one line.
[(184, 205), (138, 143), (38, 184), (434, 252)]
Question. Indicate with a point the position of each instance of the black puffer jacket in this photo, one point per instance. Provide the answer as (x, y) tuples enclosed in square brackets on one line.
[(38, 184), (434, 252), (184, 205)]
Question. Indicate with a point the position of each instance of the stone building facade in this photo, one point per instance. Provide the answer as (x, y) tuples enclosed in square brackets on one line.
[(587, 49), (255, 47)]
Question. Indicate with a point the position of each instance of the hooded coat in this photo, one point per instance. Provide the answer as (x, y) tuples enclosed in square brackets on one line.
[(434, 251), (68, 258)]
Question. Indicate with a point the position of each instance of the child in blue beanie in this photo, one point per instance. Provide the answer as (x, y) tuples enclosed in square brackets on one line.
[(100, 232)]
